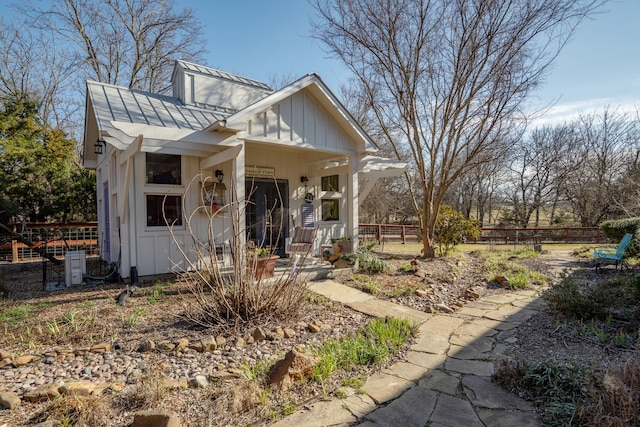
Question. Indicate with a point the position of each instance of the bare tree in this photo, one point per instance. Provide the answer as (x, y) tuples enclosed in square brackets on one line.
[(127, 42), (607, 154), (450, 75), (32, 65), (545, 159)]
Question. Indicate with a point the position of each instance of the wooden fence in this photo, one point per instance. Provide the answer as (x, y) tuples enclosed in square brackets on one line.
[(411, 233), (58, 238), (61, 237)]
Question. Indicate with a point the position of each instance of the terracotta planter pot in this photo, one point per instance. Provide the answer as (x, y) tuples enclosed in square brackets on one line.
[(265, 266)]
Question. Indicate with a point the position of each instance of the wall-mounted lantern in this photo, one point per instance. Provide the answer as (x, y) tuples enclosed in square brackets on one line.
[(97, 147)]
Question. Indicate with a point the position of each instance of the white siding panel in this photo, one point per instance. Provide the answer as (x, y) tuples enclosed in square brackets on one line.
[(297, 117), (310, 112), (147, 255), (258, 125), (286, 118), (272, 120)]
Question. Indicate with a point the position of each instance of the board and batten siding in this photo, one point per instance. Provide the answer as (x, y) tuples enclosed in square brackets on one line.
[(301, 119)]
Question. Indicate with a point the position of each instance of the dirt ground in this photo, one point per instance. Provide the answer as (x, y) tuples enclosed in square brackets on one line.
[(90, 315)]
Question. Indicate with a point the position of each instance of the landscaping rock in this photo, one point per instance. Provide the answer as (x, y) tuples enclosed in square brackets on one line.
[(5, 361), (78, 388), (155, 418), (181, 344), (81, 351), (289, 333), (147, 346), (9, 400), (166, 346), (221, 341), (209, 344), (24, 360), (42, 393), (294, 366), (313, 328), (101, 348), (238, 342), (259, 334), (200, 381), (278, 331), (197, 346), (502, 281)]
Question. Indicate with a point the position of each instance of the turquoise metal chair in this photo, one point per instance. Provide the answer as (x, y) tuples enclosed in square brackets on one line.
[(607, 256)]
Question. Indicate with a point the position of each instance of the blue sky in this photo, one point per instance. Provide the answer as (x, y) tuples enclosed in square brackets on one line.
[(263, 39), (599, 67)]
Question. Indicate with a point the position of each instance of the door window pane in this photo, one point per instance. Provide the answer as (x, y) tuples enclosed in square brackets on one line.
[(330, 209), (330, 183), (163, 169), (172, 209)]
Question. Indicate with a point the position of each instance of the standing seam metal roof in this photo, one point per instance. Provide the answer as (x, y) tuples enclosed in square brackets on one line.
[(222, 74), (116, 103)]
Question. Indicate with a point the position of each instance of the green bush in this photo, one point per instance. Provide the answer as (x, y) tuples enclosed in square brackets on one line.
[(580, 301), (560, 388), (453, 228), (370, 263), (615, 229)]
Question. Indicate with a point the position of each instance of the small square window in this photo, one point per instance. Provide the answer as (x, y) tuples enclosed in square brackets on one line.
[(330, 183), (172, 210), (330, 209), (164, 169)]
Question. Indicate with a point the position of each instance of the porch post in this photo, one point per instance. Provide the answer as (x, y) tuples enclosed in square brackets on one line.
[(352, 197), (238, 201)]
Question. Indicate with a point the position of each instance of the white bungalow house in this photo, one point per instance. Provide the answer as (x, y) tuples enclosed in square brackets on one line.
[(252, 142)]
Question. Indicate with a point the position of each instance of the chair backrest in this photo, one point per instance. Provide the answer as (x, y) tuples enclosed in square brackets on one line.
[(624, 244), (303, 235)]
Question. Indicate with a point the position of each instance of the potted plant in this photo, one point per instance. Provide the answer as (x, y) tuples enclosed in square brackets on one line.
[(262, 262)]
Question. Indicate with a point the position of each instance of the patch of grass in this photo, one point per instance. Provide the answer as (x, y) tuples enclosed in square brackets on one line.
[(371, 287), (370, 346), (15, 313), (257, 371), (505, 263), (158, 292), (132, 319)]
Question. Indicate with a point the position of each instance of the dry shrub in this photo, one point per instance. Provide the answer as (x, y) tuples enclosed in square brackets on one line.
[(617, 399), (228, 289), (151, 389), (78, 411)]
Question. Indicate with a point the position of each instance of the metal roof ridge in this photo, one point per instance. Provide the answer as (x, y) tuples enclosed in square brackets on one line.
[(192, 66)]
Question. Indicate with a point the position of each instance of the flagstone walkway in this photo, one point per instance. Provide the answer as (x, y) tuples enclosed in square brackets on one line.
[(445, 379)]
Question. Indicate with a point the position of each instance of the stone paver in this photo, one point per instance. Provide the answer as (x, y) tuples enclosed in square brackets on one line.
[(407, 371), (440, 381), (444, 380), (413, 409), (476, 367), (453, 411), (384, 387)]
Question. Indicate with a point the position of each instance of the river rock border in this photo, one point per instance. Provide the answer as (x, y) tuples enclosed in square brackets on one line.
[(38, 390)]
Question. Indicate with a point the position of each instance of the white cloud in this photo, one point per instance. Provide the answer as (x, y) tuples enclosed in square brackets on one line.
[(565, 112)]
